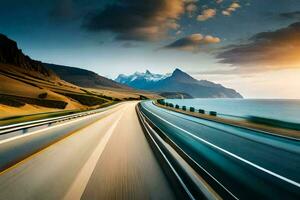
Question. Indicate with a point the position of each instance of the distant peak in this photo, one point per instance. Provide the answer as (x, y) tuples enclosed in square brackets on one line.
[(3, 36), (179, 75), (148, 72), (178, 71), (137, 73), (121, 75), (11, 54), (6, 42)]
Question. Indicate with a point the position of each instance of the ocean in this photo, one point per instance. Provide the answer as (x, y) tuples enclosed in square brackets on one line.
[(279, 109)]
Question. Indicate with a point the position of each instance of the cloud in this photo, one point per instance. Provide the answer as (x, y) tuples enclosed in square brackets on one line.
[(207, 14), (274, 50), (190, 1), (178, 32), (141, 20), (226, 13), (208, 39), (291, 15), (193, 42), (191, 8), (233, 7)]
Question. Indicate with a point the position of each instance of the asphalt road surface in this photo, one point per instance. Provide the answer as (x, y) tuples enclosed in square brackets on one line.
[(247, 163), (108, 157)]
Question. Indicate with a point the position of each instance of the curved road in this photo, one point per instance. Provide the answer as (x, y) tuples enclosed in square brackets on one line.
[(107, 158), (248, 164)]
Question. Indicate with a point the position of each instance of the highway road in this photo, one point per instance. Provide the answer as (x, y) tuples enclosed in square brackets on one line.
[(241, 163), (102, 156), (109, 155)]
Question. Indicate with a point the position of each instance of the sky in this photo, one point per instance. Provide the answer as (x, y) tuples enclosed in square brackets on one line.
[(252, 46)]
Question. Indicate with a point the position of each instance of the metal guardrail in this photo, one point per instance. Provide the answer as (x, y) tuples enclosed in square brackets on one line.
[(239, 126), (217, 187), (35, 123), (183, 170), (15, 149)]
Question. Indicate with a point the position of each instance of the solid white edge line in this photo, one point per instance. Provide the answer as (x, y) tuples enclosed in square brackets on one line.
[(30, 124), (230, 154), (170, 165), (236, 126), (202, 168), (52, 127)]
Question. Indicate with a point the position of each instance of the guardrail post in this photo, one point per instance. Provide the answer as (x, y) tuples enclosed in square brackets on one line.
[(201, 111), (213, 113)]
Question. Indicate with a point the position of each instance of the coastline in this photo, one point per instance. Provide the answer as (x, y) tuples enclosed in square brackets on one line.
[(287, 133)]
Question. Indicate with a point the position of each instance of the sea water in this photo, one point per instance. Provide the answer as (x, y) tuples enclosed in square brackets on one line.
[(280, 109)]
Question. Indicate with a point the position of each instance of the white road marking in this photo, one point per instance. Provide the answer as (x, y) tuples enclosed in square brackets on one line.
[(57, 118), (77, 188), (229, 153), (168, 162), (52, 127), (204, 170)]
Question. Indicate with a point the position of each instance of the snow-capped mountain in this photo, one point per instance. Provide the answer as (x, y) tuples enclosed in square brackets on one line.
[(138, 76), (178, 81)]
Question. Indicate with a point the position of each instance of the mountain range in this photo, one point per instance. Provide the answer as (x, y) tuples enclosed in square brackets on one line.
[(178, 81), (83, 77), (24, 77), (29, 86), (12, 59)]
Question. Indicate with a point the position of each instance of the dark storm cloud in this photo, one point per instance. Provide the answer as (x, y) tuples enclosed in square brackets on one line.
[(277, 49), (137, 19), (192, 42)]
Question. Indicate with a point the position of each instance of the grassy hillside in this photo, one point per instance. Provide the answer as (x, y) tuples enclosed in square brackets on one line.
[(83, 77), (29, 87)]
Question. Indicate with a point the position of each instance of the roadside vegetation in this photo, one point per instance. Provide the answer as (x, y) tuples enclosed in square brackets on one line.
[(100, 95), (27, 97), (30, 90), (24, 118), (43, 95), (10, 101), (17, 101), (87, 100)]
